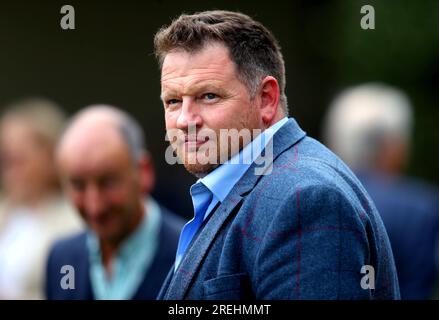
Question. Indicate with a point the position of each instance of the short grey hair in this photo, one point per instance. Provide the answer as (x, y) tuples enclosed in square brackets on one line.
[(362, 117), (133, 135), (130, 130)]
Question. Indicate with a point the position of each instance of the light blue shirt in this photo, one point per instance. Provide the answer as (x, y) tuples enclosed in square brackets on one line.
[(131, 261), (207, 192)]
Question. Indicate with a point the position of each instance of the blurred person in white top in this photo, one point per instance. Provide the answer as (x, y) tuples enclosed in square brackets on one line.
[(33, 212)]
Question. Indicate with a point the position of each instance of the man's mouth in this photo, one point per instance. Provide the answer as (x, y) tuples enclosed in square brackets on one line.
[(101, 220), (194, 142)]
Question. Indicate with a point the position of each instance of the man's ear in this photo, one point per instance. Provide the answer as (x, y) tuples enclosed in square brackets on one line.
[(146, 174), (269, 96)]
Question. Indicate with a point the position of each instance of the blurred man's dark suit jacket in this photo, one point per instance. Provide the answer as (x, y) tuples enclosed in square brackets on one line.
[(410, 211), (73, 251), (302, 232)]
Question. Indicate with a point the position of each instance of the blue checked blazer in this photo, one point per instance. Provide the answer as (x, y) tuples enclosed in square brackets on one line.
[(302, 232)]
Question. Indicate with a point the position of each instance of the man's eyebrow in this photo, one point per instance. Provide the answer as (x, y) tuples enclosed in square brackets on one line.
[(196, 88), (168, 93)]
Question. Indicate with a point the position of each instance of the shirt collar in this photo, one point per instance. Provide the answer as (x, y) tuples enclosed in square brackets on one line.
[(132, 260), (145, 232)]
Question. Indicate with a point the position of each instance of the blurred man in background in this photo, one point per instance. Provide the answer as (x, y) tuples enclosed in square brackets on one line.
[(131, 241), (33, 214), (370, 127)]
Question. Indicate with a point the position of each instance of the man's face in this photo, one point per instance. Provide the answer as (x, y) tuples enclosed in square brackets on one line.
[(103, 183), (201, 90)]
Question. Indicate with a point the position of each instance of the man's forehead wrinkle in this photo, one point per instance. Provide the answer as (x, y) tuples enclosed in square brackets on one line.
[(185, 74), (192, 81), (209, 58), (219, 70), (198, 75), (191, 86)]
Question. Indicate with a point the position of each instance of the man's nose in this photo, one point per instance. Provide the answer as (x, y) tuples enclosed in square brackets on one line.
[(94, 202), (190, 115)]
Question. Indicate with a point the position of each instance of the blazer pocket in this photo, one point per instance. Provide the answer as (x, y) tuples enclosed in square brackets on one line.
[(229, 287)]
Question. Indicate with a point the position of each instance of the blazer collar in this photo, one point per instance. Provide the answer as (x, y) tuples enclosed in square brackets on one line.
[(177, 286)]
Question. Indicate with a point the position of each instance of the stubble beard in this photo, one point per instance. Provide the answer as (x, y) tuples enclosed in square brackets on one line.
[(222, 154)]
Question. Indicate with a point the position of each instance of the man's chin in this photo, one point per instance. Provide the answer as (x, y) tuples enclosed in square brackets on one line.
[(112, 239), (200, 170), (106, 232)]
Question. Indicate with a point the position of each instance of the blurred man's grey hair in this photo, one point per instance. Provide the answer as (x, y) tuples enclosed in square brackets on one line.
[(130, 130), (361, 118)]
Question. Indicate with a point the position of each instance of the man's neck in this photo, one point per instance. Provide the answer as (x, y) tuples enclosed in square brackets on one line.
[(109, 248)]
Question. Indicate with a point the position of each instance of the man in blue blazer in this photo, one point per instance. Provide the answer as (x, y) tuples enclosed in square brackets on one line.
[(276, 214), (131, 241)]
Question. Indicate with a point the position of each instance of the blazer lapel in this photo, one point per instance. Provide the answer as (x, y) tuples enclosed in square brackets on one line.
[(196, 252), (287, 135)]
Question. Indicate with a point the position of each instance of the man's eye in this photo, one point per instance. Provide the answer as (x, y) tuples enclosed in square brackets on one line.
[(209, 96), (77, 185), (171, 102), (109, 182)]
